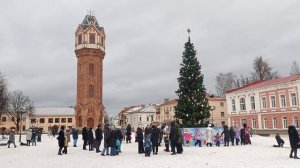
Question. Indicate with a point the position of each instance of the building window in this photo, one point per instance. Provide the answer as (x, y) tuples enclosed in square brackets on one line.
[(242, 104), (56, 120), (80, 39), (252, 102), (33, 120), (253, 123), (63, 120), (3, 119), (147, 118), (273, 102), (12, 118), (50, 120), (223, 122), (222, 114), (284, 122), (92, 38), (91, 91), (296, 122), (233, 105), (294, 99), (70, 120), (265, 123), (282, 101), (140, 118), (274, 122), (222, 104), (42, 120), (263, 103), (91, 69)]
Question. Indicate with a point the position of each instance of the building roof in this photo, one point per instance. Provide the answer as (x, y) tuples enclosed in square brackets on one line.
[(54, 111), (261, 84), (88, 21), (148, 109), (168, 102)]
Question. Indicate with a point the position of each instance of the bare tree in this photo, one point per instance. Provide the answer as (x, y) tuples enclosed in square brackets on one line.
[(262, 70), (294, 68), (18, 105), (224, 82), (3, 96)]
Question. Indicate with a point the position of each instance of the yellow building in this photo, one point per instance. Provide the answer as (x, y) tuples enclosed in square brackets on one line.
[(43, 118), (165, 112)]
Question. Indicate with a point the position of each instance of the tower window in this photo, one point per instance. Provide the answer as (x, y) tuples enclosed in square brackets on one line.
[(92, 38), (91, 69), (80, 39), (91, 91)]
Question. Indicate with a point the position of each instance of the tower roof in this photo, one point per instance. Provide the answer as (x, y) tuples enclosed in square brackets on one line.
[(90, 20)]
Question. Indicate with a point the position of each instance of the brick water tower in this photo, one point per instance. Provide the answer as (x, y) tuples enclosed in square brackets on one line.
[(90, 52)]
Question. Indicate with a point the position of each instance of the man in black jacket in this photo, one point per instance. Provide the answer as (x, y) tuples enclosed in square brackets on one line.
[(99, 138), (85, 137), (173, 137), (294, 140), (61, 139)]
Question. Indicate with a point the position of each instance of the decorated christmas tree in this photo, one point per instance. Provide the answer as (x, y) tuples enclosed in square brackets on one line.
[(192, 107)]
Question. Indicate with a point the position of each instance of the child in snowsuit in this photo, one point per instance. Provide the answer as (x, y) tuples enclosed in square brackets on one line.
[(167, 142), (279, 140), (217, 139), (148, 145)]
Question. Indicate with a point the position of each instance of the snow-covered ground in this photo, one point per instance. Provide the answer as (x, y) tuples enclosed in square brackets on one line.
[(260, 154)]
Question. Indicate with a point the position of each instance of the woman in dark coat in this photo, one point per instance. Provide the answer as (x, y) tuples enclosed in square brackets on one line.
[(139, 139), (61, 139), (99, 137), (294, 140), (155, 139), (231, 135), (173, 137), (112, 142), (91, 139), (128, 133), (106, 138), (226, 135), (85, 137)]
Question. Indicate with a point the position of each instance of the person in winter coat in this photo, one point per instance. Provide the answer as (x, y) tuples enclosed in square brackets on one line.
[(119, 140), (28, 137), (237, 134), (61, 139), (180, 137), (209, 135), (173, 137), (279, 141), (139, 139), (247, 136), (167, 143), (294, 140), (91, 139), (106, 138), (99, 137), (217, 138), (148, 145), (226, 135), (243, 134), (65, 150), (33, 137), (112, 141), (155, 139), (75, 136), (39, 135), (231, 135), (128, 134), (68, 135), (11, 138), (85, 137)]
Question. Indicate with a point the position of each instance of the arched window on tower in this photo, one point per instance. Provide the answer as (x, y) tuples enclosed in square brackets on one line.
[(92, 38), (91, 91), (91, 69)]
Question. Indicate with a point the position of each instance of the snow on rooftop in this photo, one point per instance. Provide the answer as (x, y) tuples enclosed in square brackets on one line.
[(54, 111)]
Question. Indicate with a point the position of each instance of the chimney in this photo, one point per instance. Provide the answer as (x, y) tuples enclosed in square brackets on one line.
[(166, 100)]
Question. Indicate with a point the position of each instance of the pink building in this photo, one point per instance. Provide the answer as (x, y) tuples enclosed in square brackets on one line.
[(266, 105)]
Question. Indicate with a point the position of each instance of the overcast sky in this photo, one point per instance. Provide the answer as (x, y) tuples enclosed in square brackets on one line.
[(144, 44)]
